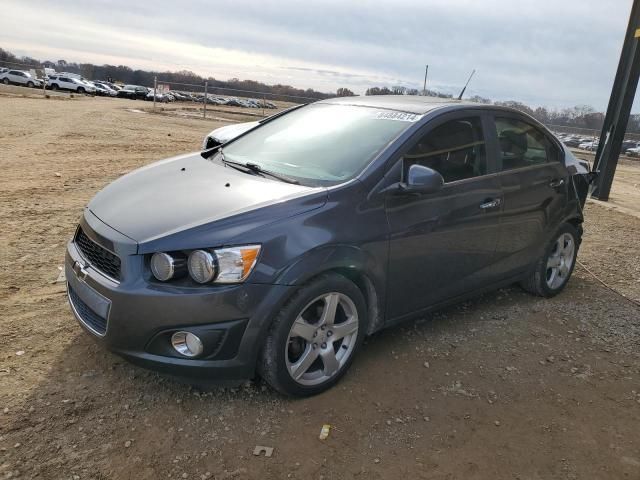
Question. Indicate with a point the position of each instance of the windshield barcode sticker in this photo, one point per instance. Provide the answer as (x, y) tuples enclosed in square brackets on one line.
[(401, 116)]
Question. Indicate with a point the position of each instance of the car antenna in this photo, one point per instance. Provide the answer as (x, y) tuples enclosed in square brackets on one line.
[(466, 85)]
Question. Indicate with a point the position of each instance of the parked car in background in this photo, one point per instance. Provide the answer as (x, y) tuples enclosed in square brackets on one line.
[(112, 86), (633, 152), (572, 142), (627, 144), (280, 251), (590, 145), (104, 90), (225, 134), (133, 92), (72, 84), (160, 97), (19, 77)]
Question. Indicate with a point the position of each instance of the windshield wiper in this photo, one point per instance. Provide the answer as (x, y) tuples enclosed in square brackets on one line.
[(256, 169)]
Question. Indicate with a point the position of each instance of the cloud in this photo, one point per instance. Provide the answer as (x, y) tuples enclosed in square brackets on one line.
[(542, 52)]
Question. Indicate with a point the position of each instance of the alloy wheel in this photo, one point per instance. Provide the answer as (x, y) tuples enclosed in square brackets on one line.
[(560, 261), (322, 339)]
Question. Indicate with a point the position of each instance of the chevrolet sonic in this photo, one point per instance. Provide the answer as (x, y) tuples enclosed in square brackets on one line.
[(277, 252)]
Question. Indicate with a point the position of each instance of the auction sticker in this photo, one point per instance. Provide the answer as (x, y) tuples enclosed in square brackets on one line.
[(401, 116)]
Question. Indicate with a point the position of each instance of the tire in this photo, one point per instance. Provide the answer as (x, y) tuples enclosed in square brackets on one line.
[(54, 86), (5, 81), (553, 270), (80, 90), (30, 84), (320, 358)]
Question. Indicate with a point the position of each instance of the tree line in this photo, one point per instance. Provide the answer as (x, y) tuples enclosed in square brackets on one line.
[(127, 75), (580, 116)]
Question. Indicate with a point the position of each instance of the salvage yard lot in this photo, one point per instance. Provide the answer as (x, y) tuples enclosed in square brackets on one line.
[(505, 386)]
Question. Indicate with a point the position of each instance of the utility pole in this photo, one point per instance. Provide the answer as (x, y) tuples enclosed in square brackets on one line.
[(206, 99), (619, 110), (424, 88)]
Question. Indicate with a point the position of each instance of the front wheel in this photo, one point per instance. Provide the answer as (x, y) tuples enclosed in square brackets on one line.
[(315, 337), (30, 84), (81, 90), (553, 270)]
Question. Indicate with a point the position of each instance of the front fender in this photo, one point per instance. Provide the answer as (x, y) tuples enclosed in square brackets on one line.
[(365, 268)]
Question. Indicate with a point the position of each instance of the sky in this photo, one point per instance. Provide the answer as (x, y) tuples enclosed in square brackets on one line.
[(555, 53)]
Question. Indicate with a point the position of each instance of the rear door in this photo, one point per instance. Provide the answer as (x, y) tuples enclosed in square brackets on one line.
[(534, 183), (444, 244)]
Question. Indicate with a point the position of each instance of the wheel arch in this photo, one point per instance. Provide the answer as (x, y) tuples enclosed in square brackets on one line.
[(351, 262)]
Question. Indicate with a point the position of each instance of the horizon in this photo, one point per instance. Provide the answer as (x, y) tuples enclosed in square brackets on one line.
[(555, 56)]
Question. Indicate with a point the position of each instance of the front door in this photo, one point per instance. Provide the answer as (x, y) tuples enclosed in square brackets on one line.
[(444, 244)]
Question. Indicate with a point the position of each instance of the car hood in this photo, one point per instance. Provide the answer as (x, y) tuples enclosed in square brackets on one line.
[(189, 192)]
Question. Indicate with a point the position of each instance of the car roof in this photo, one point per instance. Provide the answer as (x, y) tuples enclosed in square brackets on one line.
[(402, 103)]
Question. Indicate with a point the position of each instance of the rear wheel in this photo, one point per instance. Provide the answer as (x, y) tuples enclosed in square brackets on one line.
[(553, 270), (315, 337), (5, 81)]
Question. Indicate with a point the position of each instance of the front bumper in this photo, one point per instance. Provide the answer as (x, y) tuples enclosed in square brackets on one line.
[(135, 318)]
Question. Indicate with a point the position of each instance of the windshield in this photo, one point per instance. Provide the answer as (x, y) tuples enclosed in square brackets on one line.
[(321, 144)]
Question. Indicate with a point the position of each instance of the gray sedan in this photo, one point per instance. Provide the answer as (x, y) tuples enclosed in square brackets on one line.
[(280, 251)]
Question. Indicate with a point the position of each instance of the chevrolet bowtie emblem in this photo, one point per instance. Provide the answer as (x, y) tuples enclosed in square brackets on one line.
[(81, 269)]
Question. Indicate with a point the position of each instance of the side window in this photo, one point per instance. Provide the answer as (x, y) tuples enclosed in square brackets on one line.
[(522, 145), (455, 149)]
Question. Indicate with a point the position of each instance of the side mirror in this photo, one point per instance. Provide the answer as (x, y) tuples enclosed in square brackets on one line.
[(421, 179)]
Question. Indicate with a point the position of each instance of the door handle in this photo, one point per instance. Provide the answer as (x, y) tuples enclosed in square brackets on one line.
[(490, 204), (557, 182)]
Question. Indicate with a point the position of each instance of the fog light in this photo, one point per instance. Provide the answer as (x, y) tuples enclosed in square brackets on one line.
[(186, 344)]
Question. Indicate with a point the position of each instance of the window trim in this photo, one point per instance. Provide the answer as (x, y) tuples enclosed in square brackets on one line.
[(482, 114)]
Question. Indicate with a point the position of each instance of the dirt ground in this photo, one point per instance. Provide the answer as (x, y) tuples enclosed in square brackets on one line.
[(507, 386)]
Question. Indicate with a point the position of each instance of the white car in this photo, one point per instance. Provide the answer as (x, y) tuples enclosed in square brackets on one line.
[(633, 152), (62, 82), (225, 134), (589, 145), (19, 77), (222, 135)]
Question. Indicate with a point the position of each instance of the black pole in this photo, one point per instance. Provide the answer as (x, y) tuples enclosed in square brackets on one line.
[(620, 103)]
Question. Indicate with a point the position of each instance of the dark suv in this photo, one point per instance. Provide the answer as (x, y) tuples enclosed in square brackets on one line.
[(133, 92), (278, 252)]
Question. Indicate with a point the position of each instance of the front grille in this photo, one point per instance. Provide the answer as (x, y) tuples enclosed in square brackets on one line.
[(98, 256), (87, 316)]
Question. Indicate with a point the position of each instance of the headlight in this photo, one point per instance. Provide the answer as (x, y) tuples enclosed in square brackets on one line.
[(202, 266), (235, 264), (165, 267), (224, 265)]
